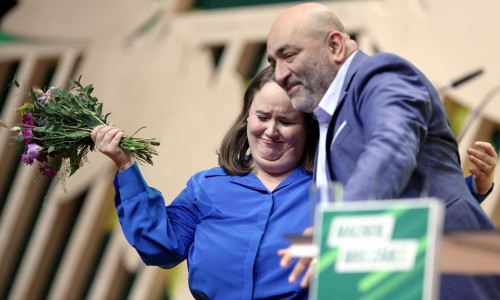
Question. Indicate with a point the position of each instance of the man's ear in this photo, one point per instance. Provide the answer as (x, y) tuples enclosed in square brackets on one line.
[(336, 45)]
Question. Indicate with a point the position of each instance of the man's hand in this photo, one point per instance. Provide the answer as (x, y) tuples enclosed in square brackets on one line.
[(485, 162), (303, 264)]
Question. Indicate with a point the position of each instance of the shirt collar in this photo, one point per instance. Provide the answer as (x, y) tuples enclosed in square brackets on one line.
[(251, 181), (328, 103)]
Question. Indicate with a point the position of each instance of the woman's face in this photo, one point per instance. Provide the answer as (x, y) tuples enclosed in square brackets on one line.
[(276, 131)]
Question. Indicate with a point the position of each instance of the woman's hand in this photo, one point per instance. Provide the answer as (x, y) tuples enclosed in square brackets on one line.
[(485, 162), (107, 141)]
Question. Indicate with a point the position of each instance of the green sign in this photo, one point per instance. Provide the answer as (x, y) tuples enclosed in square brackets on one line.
[(374, 250)]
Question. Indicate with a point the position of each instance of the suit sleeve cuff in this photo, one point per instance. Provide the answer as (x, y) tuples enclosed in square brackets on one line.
[(473, 189)]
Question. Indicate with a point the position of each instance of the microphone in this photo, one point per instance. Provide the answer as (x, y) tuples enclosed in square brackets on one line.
[(461, 80), (466, 78), (475, 113)]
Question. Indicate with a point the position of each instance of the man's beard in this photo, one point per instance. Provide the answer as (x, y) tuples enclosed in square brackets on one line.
[(313, 90), (305, 104)]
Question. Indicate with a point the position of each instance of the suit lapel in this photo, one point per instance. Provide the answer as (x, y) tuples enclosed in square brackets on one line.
[(353, 68)]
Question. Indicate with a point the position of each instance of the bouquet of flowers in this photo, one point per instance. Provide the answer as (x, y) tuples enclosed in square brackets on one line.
[(56, 127)]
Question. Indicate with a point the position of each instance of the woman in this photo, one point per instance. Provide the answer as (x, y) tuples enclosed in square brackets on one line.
[(229, 222)]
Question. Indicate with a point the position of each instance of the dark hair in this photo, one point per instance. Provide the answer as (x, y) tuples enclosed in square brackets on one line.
[(232, 154)]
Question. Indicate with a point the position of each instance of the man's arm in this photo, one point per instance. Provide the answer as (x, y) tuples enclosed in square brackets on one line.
[(395, 109), (481, 181)]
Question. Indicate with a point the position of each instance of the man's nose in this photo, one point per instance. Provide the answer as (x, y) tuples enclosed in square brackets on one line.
[(281, 73)]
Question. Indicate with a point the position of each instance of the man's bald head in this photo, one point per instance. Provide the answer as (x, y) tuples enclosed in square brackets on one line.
[(307, 45), (312, 19)]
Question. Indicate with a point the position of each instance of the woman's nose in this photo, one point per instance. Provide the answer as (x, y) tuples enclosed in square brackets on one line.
[(272, 130)]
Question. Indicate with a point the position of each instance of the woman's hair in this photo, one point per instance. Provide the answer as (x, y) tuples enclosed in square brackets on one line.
[(233, 157)]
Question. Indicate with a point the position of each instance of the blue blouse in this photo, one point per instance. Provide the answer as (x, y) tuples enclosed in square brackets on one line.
[(229, 228)]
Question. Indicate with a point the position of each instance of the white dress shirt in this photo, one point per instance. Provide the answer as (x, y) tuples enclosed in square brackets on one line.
[(323, 113)]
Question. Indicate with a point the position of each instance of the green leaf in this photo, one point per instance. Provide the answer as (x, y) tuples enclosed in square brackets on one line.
[(78, 134), (99, 110), (76, 105), (18, 139), (49, 110), (106, 118), (55, 162), (14, 82), (89, 88)]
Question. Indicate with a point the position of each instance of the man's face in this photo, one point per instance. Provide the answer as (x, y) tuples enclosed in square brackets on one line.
[(302, 65)]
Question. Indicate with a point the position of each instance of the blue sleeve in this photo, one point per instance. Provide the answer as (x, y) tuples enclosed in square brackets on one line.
[(479, 198), (161, 237)]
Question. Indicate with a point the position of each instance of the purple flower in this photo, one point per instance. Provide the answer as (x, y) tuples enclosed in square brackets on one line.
[(42, 158), (41, 100), (26, 159), (28, 119), (33, 150), (44, 97), (27, 131), (27, 134), (47, 171)]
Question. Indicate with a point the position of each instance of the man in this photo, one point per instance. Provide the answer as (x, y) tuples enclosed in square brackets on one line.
[(383, 130)]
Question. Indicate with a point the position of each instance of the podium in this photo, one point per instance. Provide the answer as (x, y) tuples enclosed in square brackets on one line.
[(471, 253), (383, 249)]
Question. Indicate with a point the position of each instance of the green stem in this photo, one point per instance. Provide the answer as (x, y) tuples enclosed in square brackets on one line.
[(76, 128)]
